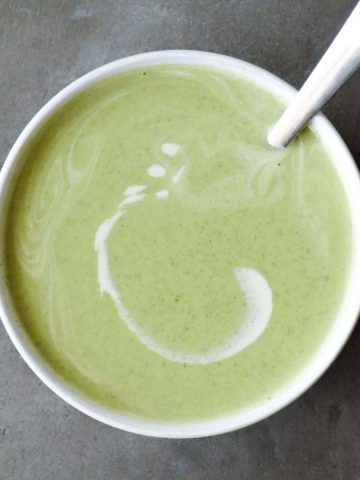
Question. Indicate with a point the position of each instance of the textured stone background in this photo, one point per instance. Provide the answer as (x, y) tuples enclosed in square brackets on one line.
[(44, 45)]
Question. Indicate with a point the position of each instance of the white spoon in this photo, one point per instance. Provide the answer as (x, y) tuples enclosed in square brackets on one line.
[(339, 62)]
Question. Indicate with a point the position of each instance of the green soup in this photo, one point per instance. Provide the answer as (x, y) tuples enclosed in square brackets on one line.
[(162, 258)]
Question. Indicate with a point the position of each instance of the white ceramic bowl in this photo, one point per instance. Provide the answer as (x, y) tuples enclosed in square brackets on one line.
[(330, 346)]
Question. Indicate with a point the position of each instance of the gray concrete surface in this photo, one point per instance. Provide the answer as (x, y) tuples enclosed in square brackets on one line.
[(44, 45)]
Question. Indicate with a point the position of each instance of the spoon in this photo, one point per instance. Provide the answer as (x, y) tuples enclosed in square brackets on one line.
[(338, 63)]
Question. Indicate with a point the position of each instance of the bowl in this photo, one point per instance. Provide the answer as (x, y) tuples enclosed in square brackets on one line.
[(328, 349)]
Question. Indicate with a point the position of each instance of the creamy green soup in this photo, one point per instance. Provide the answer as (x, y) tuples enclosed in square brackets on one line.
[(162, 258)]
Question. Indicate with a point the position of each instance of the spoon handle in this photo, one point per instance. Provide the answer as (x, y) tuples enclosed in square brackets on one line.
[(339, 62)]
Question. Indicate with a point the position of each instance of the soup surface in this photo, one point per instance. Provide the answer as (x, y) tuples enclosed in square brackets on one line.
[(162, 258)]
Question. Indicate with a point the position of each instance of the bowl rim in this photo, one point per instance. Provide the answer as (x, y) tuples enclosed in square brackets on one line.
[(332, 343)]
